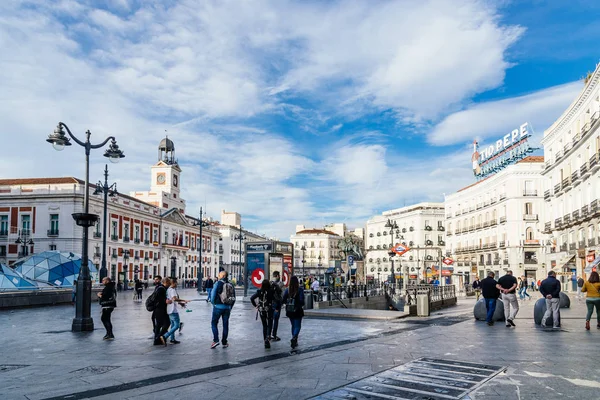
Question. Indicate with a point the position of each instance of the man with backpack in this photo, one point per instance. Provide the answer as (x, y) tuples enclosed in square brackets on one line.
[(277, 286), (157, 303), (223, 298)]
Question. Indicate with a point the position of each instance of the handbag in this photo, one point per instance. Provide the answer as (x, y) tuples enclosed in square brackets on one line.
[(112, 302)]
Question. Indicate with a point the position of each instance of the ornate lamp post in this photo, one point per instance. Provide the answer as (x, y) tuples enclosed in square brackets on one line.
[(392, 225), (107, 190), (173, 266), (319, 265), (25, 241), (199, 273), (240, 237), (83, 304), (125, 267), (303, 259)]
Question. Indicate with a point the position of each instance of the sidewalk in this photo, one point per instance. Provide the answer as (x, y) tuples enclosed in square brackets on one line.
[(42, 359)]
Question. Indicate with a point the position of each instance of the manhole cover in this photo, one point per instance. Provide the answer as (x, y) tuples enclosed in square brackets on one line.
[(422, 379), (10, 367), (94, 369)]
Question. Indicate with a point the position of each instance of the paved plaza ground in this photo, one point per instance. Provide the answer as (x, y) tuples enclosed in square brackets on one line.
[(42, 359)]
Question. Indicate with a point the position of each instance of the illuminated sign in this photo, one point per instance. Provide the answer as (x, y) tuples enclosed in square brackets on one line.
[(511, 148)]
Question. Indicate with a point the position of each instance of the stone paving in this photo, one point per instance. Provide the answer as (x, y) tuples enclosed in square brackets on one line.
[(42, 359)]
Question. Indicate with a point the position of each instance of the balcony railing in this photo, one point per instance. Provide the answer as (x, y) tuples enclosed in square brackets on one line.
[(502, 196), (530, 261), (114, 237), (497, 261), (493, 200), (136, 240), (563, 247), (594, 163), (502, 220), (558, 223), (502, 244), (557, 188), (155, 258), (126, 239), (52, 232), (113, 256), (584, 212), (146, 258), (567, 219), (456, 232), (530, 193), (548, 227), (530, 217), (494, 222), (547, 195), (575, 215), (575, 178), (566, 183), (4, 233), (505, 262), (146, 242), (594, 207)]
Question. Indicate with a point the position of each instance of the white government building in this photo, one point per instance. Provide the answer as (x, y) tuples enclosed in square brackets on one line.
[(420, 227), (496, 223), (572, 152)]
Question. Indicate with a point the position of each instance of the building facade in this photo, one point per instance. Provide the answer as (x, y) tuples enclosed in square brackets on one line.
[(496, 223), (421, 227), (320, 250), (572, 153), (143, 240)]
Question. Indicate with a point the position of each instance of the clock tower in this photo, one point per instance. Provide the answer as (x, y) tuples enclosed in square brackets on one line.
[(165, 185)]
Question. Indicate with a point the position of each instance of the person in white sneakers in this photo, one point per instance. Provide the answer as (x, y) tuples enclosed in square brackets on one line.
[(173, 304)]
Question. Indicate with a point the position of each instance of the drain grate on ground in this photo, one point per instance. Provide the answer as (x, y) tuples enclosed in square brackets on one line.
[(11, 367), (94, 369), (422, 379)]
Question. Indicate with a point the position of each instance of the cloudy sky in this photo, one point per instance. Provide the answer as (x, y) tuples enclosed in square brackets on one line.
[(288, 112)]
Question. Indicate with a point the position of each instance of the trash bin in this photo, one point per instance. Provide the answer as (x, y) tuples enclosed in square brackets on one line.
[(308, 300), (423, 305)]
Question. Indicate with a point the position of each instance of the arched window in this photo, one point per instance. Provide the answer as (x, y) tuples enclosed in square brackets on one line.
[(529, 233)]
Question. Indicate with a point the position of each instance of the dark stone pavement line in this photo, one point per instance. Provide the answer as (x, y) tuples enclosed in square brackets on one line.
[(256, 360)]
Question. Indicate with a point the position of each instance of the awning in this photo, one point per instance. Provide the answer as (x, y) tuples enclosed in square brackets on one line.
[(564, 261), (588, 268)]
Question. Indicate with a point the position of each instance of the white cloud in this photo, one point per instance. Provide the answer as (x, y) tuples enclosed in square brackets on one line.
[(495, 118)]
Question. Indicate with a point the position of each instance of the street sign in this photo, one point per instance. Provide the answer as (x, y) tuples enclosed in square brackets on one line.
[(448, 261), (400, 249), (350, 260)]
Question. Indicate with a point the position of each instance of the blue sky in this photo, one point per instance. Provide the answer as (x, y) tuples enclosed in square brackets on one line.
[(288, 112)]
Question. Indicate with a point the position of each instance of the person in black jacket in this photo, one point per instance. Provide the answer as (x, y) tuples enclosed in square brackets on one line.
[(159, 315), (550, 289), (490, 293), (263, 301), (209, 287), (293, 298), (108, 302)]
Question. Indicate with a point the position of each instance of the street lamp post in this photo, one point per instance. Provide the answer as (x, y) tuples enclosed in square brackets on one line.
[(107, 190), (125, 267), (25, 241), (173, 266), (241, 237), (392, 225), (83, 303), (199, 274), (303, 259), (319, 265)]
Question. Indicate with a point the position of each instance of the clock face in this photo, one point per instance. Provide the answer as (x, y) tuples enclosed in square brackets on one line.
[(174, 180), (160, 179)]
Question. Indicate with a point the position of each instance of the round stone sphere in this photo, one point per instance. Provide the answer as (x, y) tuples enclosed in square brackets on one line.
[(539, 309), (480, 312), (565, 301)]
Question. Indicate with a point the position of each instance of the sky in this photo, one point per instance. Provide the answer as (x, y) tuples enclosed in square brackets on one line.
[(288, 112)]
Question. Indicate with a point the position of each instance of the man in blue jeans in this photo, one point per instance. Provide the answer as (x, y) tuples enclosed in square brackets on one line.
[(220, 310), (490, 294)]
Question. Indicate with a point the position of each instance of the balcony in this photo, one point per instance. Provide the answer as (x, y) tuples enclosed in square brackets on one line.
[(3, 233), (486, 203), (497, 261), (584, 212), (582, 244), (584, 171), (479, 206), (502, 220), (548, 227), (52, 232), (155, 258), (572, 246), (136, 258), (146, 258), (594, 207), (472, 228), (563, 247), (493, 200), (566, 184), (547, 195), (126, 239), (559, 155), (448, 216), (464, 230), (575, 178), (530, 217), (113, 256), (97, 235), (146, 242), (488, 262), (493, 245), (502, 196), (592, 242), (594, 165), (505, 262), (476, 226), (114, 237), (558, 223), (456, 232), (575, 215), (502, 244), (530, 261), (567, 219), (557, 190), (531, 243), (530, 193)]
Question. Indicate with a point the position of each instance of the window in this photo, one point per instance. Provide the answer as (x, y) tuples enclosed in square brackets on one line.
[(528, 208), (126, 230), (146, 233), (155, 235), (52, 247), (529, 233), (137, 232), (114, 228), (440, 224), (166, 238), (3, 251), (4, 225), (26, 223), (54, 223)]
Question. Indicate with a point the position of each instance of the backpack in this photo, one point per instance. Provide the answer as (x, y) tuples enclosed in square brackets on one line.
[(290, 306), (227, 295), (151, 301), (277, 292), (263, 302)]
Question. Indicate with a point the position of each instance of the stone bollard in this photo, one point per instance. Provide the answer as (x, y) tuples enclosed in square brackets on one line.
[(539, 309), (565, 301), (480, 312)]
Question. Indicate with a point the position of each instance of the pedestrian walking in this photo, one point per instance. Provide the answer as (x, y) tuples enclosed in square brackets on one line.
[(315, 287), (262, 300), (108, 301), (277, 285), (221, 298), (523, 289), (591, 288), (173, 304), (139, 287), (293, 298), (490, 291), (550, 289), (507, 285), (477, 288), (160, 315), (580, 283), (209, 287)]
